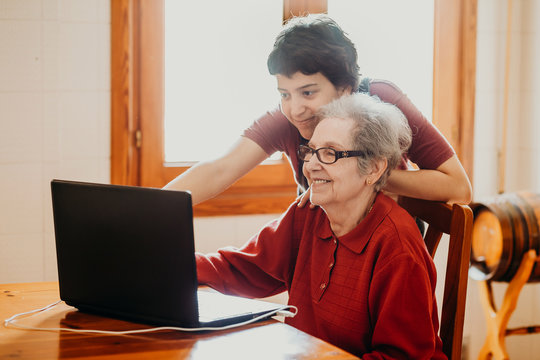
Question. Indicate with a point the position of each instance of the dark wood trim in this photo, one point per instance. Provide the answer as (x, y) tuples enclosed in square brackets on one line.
[(303, 7), (454, 75), (124, 116), (152, 93), (468, 75)]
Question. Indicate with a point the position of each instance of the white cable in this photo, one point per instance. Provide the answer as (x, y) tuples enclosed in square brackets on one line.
[(286, 310), (7, 321)]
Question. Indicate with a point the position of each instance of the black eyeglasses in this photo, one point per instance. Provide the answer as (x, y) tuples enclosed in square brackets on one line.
[(326, 155)]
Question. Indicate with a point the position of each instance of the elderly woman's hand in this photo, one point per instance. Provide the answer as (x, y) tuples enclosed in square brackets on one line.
[(304, 198)]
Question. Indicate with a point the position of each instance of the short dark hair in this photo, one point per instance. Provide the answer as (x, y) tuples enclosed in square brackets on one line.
[(312, 44)]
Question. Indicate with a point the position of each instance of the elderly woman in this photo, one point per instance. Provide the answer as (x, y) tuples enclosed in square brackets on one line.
[(356, 266)]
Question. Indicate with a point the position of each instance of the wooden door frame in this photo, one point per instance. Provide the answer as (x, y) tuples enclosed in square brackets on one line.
[(454, 75)]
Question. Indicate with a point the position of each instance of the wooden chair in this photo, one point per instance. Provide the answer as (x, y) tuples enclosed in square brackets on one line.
[(456, 221)]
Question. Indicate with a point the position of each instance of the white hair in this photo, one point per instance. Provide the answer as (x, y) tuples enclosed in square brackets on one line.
[(381, 131)]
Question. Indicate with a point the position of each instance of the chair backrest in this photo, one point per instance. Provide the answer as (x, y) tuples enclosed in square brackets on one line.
[(456, 221)]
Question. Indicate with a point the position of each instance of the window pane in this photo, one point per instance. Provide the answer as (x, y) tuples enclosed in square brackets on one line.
[(394, 40), (216, 80)]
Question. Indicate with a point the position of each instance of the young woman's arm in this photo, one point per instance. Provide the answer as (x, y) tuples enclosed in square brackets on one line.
[(448, 183), (208, 179), (441, 176)]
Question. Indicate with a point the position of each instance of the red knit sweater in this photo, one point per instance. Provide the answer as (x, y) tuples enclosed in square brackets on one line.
[(370, 292)]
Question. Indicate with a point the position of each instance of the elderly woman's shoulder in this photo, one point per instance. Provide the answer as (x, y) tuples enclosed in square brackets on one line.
[(398, 237), (400, 225)]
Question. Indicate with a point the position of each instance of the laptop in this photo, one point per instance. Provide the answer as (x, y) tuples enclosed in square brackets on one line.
[(128, 252)]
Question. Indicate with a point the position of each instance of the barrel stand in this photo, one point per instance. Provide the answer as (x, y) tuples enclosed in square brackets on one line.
[(497, 321)]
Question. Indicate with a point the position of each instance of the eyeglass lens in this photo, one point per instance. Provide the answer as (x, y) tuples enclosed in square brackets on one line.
[(325, 155)]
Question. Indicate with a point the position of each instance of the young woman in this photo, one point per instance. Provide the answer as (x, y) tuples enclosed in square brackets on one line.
[(355, 266), (315, 62)]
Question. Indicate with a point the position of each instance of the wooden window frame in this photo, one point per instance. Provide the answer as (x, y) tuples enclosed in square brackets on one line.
[(137, 140)]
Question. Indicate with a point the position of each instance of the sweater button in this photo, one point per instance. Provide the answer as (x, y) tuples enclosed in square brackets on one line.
[(323, 285), (331, 264)]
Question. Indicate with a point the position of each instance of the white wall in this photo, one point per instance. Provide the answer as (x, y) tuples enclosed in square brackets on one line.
[(55, 119)]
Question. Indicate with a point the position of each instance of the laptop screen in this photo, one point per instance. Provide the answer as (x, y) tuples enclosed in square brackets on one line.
[(126, 251)]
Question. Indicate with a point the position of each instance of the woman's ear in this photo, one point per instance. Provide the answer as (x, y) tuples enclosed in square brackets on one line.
[(377, 169), (346, 90)]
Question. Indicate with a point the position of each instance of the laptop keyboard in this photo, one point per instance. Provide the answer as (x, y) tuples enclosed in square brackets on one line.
[(214, 305)]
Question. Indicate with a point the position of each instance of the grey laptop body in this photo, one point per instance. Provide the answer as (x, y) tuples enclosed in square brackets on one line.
[(128, 252)]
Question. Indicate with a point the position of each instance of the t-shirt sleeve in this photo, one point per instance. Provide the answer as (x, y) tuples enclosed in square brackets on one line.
[(270, 131), (429, 148)]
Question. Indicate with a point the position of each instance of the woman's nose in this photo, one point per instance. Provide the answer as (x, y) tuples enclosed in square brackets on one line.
[(297, 106)]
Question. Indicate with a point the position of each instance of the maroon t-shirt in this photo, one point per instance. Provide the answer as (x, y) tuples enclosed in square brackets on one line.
[(429, 149)]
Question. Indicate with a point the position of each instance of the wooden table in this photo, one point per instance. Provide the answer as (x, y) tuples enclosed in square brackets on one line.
[(269, 339)]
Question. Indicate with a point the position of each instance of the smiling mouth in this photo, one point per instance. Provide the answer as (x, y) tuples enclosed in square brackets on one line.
[(304, 121), (320, 181)]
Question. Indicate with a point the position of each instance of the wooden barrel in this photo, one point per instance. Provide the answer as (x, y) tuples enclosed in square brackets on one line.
[(505, 227)]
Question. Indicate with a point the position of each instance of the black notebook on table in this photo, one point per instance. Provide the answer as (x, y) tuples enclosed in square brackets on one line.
[(128, 252)]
